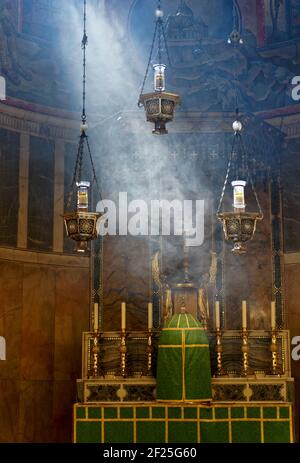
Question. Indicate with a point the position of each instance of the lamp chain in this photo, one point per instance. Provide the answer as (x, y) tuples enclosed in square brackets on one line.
[(149, 61), (250, 178), (160, 31), (84, 44), (227, 176), (83, 136)]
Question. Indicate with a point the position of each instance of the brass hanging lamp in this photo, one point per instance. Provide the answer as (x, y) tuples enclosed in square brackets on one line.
[(239, 225), (159, 105), (81, 224)]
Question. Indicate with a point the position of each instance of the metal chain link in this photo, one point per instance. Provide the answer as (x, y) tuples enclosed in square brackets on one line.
[(160, 30), (149, 62), (95, 179), (250, 178), (83, 46), (227, 175)]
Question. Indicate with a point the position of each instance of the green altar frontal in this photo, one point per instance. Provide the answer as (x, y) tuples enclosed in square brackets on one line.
[(188, 423), (183, 364)]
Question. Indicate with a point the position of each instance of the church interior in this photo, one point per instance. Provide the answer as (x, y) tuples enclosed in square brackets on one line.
[(149, 227)]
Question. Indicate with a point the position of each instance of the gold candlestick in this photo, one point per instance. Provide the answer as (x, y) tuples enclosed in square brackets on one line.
[(219, 350), (275, 370), (123, 355), (246, 371), (149, 351), (96, 368)]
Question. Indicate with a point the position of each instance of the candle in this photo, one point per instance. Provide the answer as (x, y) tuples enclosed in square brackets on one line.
[(244, 314), (150, 316), (123, 316), (96, 317), (273, 315), (218, 324)]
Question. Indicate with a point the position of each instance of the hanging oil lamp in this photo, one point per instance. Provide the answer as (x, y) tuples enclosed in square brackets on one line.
[(81, 224), (159, 105), (239, 225)]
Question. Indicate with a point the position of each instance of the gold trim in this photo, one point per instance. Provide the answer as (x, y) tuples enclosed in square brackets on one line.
[(262, 429), (187, 320), (291, 424), (229, 425), (187, 401), (166, 420), (102, 425), (190, 403), (74, 424), (134, 425), (176, 420), (193, 328), (183, 365), (198, 426), (180, 345)]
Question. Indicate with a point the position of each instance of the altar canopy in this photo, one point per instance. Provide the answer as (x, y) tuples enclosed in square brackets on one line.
[(183, 365)]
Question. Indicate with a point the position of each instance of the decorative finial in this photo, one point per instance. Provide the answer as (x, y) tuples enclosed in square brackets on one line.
[(237, 126), (159, 13)]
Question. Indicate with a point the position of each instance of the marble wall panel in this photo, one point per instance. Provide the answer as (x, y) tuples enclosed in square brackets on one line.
[(38, 323), (71, 319), (291, 195), (11, 276), (126, 278), (64, 396), (9, 410), (36, 409), (43, 311), (40, 194), (9, 186)]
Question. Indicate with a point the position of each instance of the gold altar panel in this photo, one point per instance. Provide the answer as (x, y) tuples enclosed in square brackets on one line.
[(126, 278), (248, 277)]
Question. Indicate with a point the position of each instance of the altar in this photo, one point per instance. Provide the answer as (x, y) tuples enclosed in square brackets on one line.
[(112, 408)]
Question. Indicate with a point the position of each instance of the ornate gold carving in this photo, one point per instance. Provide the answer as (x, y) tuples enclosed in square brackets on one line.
[(275, 369), (219, 351), (246, 371)]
